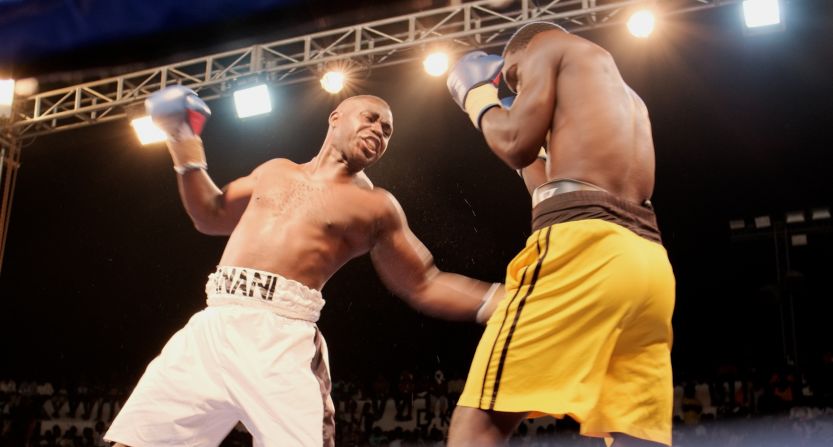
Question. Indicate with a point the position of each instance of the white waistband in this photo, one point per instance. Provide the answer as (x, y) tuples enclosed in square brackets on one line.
[(256, 288)]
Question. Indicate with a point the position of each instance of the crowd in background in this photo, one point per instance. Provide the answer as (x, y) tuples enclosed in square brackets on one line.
[(731, 407)]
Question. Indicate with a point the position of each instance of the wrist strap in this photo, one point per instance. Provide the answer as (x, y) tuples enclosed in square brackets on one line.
[(479, 100), (487, 297), (190, 166)]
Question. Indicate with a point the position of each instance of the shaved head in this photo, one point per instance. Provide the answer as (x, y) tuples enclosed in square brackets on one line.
[(524, 35), (352, 99)]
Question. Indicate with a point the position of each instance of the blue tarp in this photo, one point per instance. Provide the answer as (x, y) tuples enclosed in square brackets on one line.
[(31, 29)]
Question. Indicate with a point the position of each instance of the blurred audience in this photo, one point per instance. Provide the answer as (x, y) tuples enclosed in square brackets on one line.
[(730, 407)]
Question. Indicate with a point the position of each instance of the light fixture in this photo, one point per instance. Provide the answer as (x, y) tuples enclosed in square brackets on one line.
[(333, 81), (436, 64), (794, 217), (6, 97), (798, 240), (763, 222), (820, 213), (737, 224), (252, 101), (147, 131), (641, 23), (760, 13)]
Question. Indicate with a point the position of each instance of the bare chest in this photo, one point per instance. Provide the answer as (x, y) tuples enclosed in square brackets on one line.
[(333, 209)]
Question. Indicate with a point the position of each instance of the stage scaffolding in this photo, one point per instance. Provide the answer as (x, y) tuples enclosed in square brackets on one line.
[(391, 41)]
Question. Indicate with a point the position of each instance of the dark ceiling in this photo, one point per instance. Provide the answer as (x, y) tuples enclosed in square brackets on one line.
[(73, 39)]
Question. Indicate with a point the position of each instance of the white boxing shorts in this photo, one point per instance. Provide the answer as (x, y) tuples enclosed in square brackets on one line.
[(253, 355)]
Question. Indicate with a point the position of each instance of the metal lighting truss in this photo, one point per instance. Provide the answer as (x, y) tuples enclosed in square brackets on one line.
[(477, 24), (373, 44)]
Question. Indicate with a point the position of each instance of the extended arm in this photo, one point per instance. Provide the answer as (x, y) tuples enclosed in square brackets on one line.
[(407, 268), (181, 114), (212, 210)]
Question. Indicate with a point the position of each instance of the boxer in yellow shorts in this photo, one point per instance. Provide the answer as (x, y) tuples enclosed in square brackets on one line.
[(584, 328)]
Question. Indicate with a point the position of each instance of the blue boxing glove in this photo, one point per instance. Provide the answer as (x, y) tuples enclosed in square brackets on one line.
[(178, 111), (473, 83), (181, 114)]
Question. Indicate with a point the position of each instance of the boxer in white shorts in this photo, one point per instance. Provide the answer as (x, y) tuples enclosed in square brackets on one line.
[(255, 354)]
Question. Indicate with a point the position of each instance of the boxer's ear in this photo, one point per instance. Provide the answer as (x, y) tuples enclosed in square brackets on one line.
[(334, 116)]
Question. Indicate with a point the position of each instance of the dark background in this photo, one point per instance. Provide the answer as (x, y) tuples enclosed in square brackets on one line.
[(103, 265)]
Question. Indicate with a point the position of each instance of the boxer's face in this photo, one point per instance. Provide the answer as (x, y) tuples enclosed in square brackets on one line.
[(369, 126)]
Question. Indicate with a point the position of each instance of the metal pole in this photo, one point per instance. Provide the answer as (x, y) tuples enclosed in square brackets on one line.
[(9, 164)]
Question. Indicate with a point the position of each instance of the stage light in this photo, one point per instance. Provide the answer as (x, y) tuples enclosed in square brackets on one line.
[(758, 13), (252, 101), (641, 23), (25, 86), (6, 97), (794, 217), (333, 81), (147, 131), (798, 240), (436, 64), (737, 224), (820, 214), (762, 222)]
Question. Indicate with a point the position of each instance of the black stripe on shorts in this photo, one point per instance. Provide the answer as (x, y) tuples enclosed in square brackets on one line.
[(529, 290)]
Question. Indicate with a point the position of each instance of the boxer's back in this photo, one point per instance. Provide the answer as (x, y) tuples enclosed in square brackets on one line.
[(600, 132), (302, 226)]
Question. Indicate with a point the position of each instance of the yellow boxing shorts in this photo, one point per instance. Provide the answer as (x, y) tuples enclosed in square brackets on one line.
[(585, 327)]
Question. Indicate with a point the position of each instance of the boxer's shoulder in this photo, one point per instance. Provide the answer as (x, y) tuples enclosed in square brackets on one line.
[(277, 164)]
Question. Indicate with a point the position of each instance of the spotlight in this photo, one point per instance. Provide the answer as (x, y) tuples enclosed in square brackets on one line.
[(758, 13), (252, 101), (333, 81), (6, 97), (26, 87), (436, 63), (641, 23), (147, 131)]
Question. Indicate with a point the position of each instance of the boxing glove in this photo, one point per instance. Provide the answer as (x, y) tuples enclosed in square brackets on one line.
[(473, 83), (178, 111)]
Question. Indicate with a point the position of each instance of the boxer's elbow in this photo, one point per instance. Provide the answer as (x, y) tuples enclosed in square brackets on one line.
[(514, 149), (211, 224), (210, 216), (208, 228), (518, 154)]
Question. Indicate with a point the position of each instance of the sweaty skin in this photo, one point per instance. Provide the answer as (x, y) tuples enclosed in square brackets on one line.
[(573, 101), (571, 93), (304, 221)]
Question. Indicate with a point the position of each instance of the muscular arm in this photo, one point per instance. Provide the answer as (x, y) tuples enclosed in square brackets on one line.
[(407, 268), (515, 135), (212, 210)]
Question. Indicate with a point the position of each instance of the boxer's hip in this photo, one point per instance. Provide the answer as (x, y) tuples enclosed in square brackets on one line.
[(231, 285), (562, 201)]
